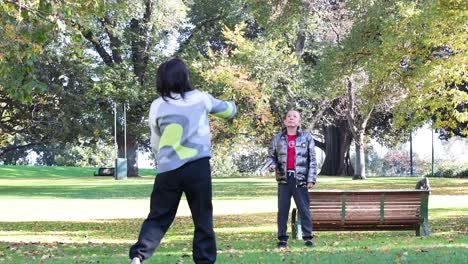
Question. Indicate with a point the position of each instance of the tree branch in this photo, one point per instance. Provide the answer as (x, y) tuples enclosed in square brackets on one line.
[(97, 45), (200, 26), (115, 43), (323, 107), (12, 148), (140, 47), (350, 111), (332, 26), (366, 119)]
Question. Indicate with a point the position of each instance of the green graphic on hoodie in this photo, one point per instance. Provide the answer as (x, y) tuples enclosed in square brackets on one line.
[(172, 137)]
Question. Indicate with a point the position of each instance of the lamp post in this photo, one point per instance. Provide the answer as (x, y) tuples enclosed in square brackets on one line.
[(125, 130), (116, 148), (411, 152), (432, 160), (120, 171)]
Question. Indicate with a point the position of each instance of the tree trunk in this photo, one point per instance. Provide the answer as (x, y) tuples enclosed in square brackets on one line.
[(132, 153), (337, 142), (360, 158)]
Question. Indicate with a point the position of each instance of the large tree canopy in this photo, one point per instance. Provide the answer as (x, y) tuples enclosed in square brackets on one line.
[(355, 69), (24, 32), (397, 60), (118, 43)]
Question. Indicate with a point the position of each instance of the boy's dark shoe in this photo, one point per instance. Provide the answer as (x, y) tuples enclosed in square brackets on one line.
[(282, 244), (309, 243)]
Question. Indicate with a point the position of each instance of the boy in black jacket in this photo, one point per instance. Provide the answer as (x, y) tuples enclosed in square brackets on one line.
[(292, 157)]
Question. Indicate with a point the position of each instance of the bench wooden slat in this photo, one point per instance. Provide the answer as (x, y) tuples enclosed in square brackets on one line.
[(369, 210)]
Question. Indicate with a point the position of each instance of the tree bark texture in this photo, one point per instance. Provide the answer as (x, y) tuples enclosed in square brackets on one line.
[(360, 158), (337, 142), (132, 152)]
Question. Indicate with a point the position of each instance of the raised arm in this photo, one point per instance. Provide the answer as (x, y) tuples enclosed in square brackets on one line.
[(223, 109)]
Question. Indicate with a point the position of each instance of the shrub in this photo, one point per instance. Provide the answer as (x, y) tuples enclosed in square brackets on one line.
[(462, 173), (238, 159)]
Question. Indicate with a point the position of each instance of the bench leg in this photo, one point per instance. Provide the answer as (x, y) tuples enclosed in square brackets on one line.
[(299, 229), (296, 228), (426, 229), (293, 223)]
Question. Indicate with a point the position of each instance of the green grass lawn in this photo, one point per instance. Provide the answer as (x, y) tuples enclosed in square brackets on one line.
[(247, 238), (240, 239), (48, 172)]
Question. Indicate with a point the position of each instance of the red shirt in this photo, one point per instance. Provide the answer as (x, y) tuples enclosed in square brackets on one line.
[(291, 165)]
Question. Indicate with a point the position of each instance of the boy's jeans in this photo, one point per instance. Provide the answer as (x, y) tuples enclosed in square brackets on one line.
[(194, 179), (301, 198)]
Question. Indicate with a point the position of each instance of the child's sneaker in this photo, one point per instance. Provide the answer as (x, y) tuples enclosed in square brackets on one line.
[(309, 243), (136, 260), (282, 244)]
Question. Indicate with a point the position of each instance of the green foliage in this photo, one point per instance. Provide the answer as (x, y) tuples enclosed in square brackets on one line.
[(447, 169), (413, 56), (22, 38), (462, 173), (448, 173), (373, 161), (410, 57), (65, 112), (232, 82), (435, 45), (256, 56), (81, 156), (267, 59), (239, 158), (265, 71), (104, 46)]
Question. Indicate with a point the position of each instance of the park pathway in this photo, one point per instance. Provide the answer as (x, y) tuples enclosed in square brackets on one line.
[(13, 210)]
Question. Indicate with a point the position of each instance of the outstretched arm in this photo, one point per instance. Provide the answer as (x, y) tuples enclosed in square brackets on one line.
[(223, 109)]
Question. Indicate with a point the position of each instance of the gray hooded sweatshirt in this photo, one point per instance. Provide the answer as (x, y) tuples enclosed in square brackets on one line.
[(180, 131)]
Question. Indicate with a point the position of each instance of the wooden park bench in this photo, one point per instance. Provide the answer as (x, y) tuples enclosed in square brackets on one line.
[(105, 172), (338, 210)]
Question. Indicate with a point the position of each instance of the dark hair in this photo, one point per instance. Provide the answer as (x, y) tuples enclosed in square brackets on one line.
[(172, 77), (291, 109)]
